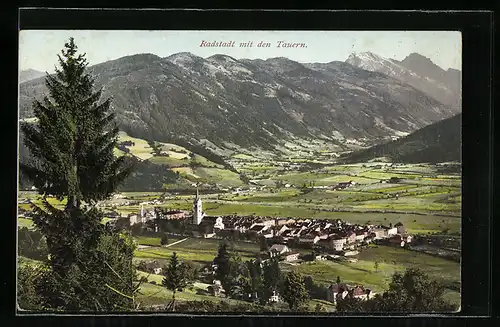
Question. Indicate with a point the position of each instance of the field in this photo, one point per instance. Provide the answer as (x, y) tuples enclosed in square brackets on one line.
[(390, 260), (196, 250), (301, 184)]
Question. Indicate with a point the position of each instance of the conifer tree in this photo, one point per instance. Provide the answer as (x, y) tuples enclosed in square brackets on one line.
[(71, 147), (175, 278), (295, 292)]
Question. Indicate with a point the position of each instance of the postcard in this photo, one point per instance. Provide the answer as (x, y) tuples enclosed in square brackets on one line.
[(209, 172)]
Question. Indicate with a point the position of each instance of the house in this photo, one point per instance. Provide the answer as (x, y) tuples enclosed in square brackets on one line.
[(360, 235), (219, 225), (400, 228), (336, 291), (309, 240), (281, 230), (274, 297), (392, 231), (359, 292), (378, 233), (338, 242), (344, 185), (351, 237), (278, 249), (294, 256), (320, 258), (268, 233), (157, 271)]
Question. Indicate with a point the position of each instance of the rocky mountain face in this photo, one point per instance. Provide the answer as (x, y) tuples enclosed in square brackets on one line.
[(439, 142), (255, 104), (417, 71), (28, 74)]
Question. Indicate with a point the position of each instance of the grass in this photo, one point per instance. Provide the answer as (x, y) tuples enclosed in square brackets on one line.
[(198, 250), (168, 161), (220, 176), (154, 295), (390, 261)]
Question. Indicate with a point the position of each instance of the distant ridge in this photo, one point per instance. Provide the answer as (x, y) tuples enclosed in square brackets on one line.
[(439, 142), (29, 74)]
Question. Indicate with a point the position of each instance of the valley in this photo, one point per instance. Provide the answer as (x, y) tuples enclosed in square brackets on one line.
[(426, 198)]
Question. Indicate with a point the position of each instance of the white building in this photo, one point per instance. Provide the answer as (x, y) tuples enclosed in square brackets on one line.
[(218, 223), (278, 249), (198, 213), (274, 298)]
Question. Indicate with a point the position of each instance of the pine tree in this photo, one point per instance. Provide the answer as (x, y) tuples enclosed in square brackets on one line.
[(295, 292), (272, 278), (74, 139), (223, 261), (71, 147), (174, 277)]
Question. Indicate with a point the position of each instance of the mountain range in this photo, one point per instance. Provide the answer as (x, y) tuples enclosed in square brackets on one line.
[(262, 104), (439, 142), (417, 71), (29, 74)]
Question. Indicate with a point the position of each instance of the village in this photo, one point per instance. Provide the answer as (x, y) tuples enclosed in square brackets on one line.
[(291, 241)]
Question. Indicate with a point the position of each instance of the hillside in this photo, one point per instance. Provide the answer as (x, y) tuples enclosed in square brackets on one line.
[(253, 104), (29, 74), (439, 142), (175, 166), (417, 71)]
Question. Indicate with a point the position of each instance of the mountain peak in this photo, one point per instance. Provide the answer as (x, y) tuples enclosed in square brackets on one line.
[(29, 74), (414, 60), (221, 58)]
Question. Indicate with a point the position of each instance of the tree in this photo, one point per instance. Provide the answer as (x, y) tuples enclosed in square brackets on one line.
[(71, 147), (409, 292), (295, 293), (350, 304), (190, 272), (263, 244), (376, 265), (338, 279), (412, 291), (164, 239), (224, 262), (174, 278), (272, 278)]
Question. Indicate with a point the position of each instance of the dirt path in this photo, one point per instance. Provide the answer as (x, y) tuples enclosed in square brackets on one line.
[(166, 246)]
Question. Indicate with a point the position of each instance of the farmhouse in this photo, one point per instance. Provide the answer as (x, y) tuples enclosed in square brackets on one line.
[(400, 228), (278, 249), (274, 297), (336, 291), (359, 292), (343, 185), (294, 256)]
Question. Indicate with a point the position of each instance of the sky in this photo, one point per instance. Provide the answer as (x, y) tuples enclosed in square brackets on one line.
[(38, 49)]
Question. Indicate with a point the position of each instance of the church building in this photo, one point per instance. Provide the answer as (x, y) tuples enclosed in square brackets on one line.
[(201, 224)]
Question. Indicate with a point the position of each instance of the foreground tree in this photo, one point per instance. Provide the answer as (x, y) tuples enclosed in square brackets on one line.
[(295, 292), (412, 291), (271, 279), (225, 266), (71, 151), (409, 292), (174, 279)]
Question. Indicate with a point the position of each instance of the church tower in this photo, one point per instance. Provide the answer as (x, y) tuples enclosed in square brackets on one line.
[(198, 213)]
